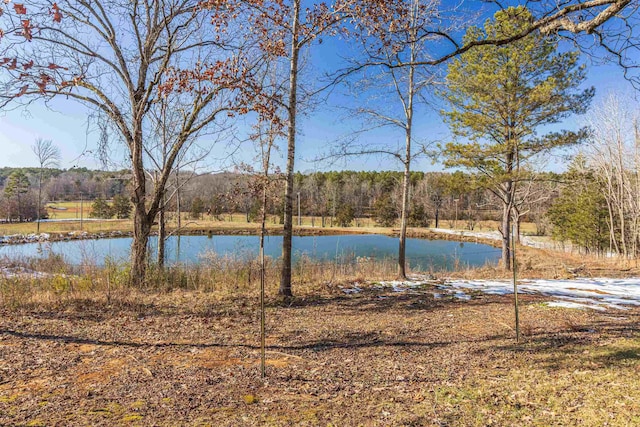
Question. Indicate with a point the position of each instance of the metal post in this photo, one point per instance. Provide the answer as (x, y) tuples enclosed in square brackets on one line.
[(263, 334), (515, 282), (81, 209), (455, 222)]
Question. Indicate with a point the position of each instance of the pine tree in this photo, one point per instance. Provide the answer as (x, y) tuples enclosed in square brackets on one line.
[(101, 209), (384, 211), (500, 95), (197, 208), (580, 214), (121, 207), (345, 215), (17, 185)]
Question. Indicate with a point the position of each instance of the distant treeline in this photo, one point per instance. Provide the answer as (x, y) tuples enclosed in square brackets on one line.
[(342, 197), (571, 206), (18, 199), (69, 184), (335, 198)]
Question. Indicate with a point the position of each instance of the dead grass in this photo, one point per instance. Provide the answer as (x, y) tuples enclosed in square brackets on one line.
[(186, 357), (227, 276), (534, 263), (239, 275)]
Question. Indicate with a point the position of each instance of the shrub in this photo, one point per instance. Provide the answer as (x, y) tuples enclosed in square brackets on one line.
[(345, 216), (418, 216), (121, 207), (101, 209), (384, 212)]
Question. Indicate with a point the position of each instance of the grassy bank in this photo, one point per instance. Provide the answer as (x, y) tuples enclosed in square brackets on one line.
[(33, 280), (237, 221)]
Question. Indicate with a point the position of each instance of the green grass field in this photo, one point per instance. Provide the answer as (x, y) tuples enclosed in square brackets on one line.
[(69, 210)]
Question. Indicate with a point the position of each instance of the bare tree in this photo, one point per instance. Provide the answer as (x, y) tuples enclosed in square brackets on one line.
[(400, 40), (165, 117), (614, 155), (301, 33), (267, 132), (48, 156), (604, 29), (120, 57), (284, 30)]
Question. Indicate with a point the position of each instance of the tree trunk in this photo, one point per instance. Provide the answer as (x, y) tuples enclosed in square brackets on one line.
[(623, 229), (505, 227), (285, 278), (19, 208), (402, 273), (620, 172), (162, 234), (178, 210), (142, 220), (39, 200), (613, 241), (141, 231), (508, 197), (517, 219), (263, 276), (263, 269), (406, 183)]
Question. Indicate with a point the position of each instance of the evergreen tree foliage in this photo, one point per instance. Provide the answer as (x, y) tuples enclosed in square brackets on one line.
[(579, 215), (500, 96), (385, 212), (100, 209), (197, 208), (345, 215), (17, 186), (121, 207), (418, 216)]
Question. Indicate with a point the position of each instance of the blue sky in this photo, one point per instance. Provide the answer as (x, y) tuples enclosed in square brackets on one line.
[(65, 123)]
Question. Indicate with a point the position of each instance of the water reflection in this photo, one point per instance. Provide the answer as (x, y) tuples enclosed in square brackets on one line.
[(423, 254)]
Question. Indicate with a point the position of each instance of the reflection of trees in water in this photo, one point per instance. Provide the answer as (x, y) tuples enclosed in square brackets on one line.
[(233, 249)]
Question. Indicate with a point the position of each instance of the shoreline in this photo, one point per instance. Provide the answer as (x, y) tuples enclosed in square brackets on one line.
[(422, 233)]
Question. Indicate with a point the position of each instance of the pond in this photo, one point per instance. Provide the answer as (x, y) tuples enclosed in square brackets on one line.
[(421, 253)]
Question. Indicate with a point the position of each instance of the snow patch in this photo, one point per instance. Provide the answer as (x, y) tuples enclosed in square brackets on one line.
[(461, 295), (354, 290), (598, 293), (14, 272), (491, 235), (570, 304)]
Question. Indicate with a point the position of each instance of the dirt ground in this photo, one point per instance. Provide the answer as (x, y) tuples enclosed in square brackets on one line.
[(376, 358)]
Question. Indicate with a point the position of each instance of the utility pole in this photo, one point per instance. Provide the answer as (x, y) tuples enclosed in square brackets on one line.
[(455, 222), (81, 208)]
